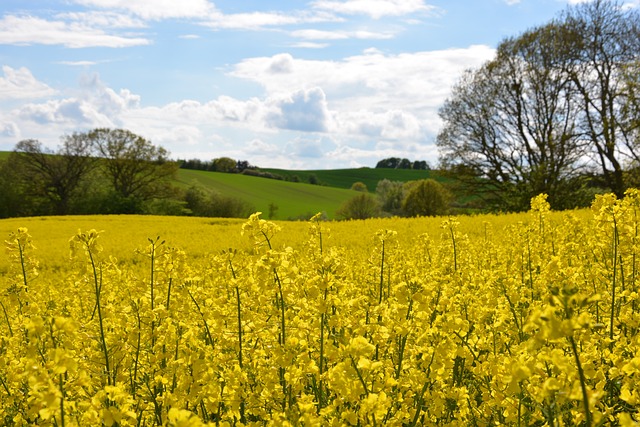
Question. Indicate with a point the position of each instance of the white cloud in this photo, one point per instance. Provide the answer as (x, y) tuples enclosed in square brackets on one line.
[(341, 35), (21, 84), (9, 130), (155, 9), (26, 30), (103, 19), (261, 20), (351, 111), (78, 63), (304, 110), (374, 8)]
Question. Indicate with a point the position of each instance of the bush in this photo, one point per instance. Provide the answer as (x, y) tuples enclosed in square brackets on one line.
[(426, 197), (362, 206), (359, 186), (201, 202)]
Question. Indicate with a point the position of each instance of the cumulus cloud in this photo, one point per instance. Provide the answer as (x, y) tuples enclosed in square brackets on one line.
[(9, 130), (21, 84), (304, 110), (27, 30)]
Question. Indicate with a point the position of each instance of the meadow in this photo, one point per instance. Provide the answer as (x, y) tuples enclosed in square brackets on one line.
[(522, 319)]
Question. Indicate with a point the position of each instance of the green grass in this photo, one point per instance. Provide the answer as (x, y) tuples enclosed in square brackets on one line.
[(295, 199), (344, 178), (292, 199)]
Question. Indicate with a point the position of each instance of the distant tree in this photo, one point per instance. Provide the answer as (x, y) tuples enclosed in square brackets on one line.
[(242, 165), (426, 197), (420, 165), (359, 186), (313, 179), (224, 164), (389, 163), (390, 193), (362, 206), (136, 169), (404, 164), (54, 176), (398, 163)]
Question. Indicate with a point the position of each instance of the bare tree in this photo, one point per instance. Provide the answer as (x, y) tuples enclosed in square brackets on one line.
[(55, 176), (511, 123), (604, 49), (135, 167)]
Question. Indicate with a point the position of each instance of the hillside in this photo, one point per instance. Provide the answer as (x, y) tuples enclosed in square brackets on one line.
[(344, 178), (292, 199)]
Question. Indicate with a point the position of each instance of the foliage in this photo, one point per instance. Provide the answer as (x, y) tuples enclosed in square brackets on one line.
[(426, 198), (359, 186), (202, 202), (390, 194), (294, 328), (398, 163), (362, 206)]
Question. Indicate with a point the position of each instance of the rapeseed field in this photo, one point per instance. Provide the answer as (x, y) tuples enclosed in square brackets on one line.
[(529, 319)]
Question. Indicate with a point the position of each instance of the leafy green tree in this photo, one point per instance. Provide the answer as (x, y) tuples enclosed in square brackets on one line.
[(362, 206), (426, 197), (224, 164), (136, 169)]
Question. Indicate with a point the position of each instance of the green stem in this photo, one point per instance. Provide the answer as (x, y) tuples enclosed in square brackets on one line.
[(97, 289), (583, 383)]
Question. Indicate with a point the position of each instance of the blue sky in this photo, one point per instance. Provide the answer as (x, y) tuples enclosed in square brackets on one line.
[(316, 84)]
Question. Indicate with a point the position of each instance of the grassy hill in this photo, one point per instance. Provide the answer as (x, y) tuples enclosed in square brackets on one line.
[(292, 199), (344, 178)]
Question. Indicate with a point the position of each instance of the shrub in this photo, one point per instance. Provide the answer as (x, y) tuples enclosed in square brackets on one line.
[(426, 197), (362, 206)]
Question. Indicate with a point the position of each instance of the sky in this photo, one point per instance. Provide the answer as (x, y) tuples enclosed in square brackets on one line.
[(305, 84)]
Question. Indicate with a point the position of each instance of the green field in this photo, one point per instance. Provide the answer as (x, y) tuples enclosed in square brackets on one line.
[(292, 199), (344, 178)]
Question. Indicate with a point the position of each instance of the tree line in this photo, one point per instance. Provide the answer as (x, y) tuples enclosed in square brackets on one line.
[(555, 111), (102, 171)]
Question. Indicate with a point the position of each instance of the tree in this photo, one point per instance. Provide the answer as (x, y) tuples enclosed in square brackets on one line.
[(426, 197), (224, 164), (362, 206), (513, 121), (54, 176), (136, 169), (605, 53), (390, 193)]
